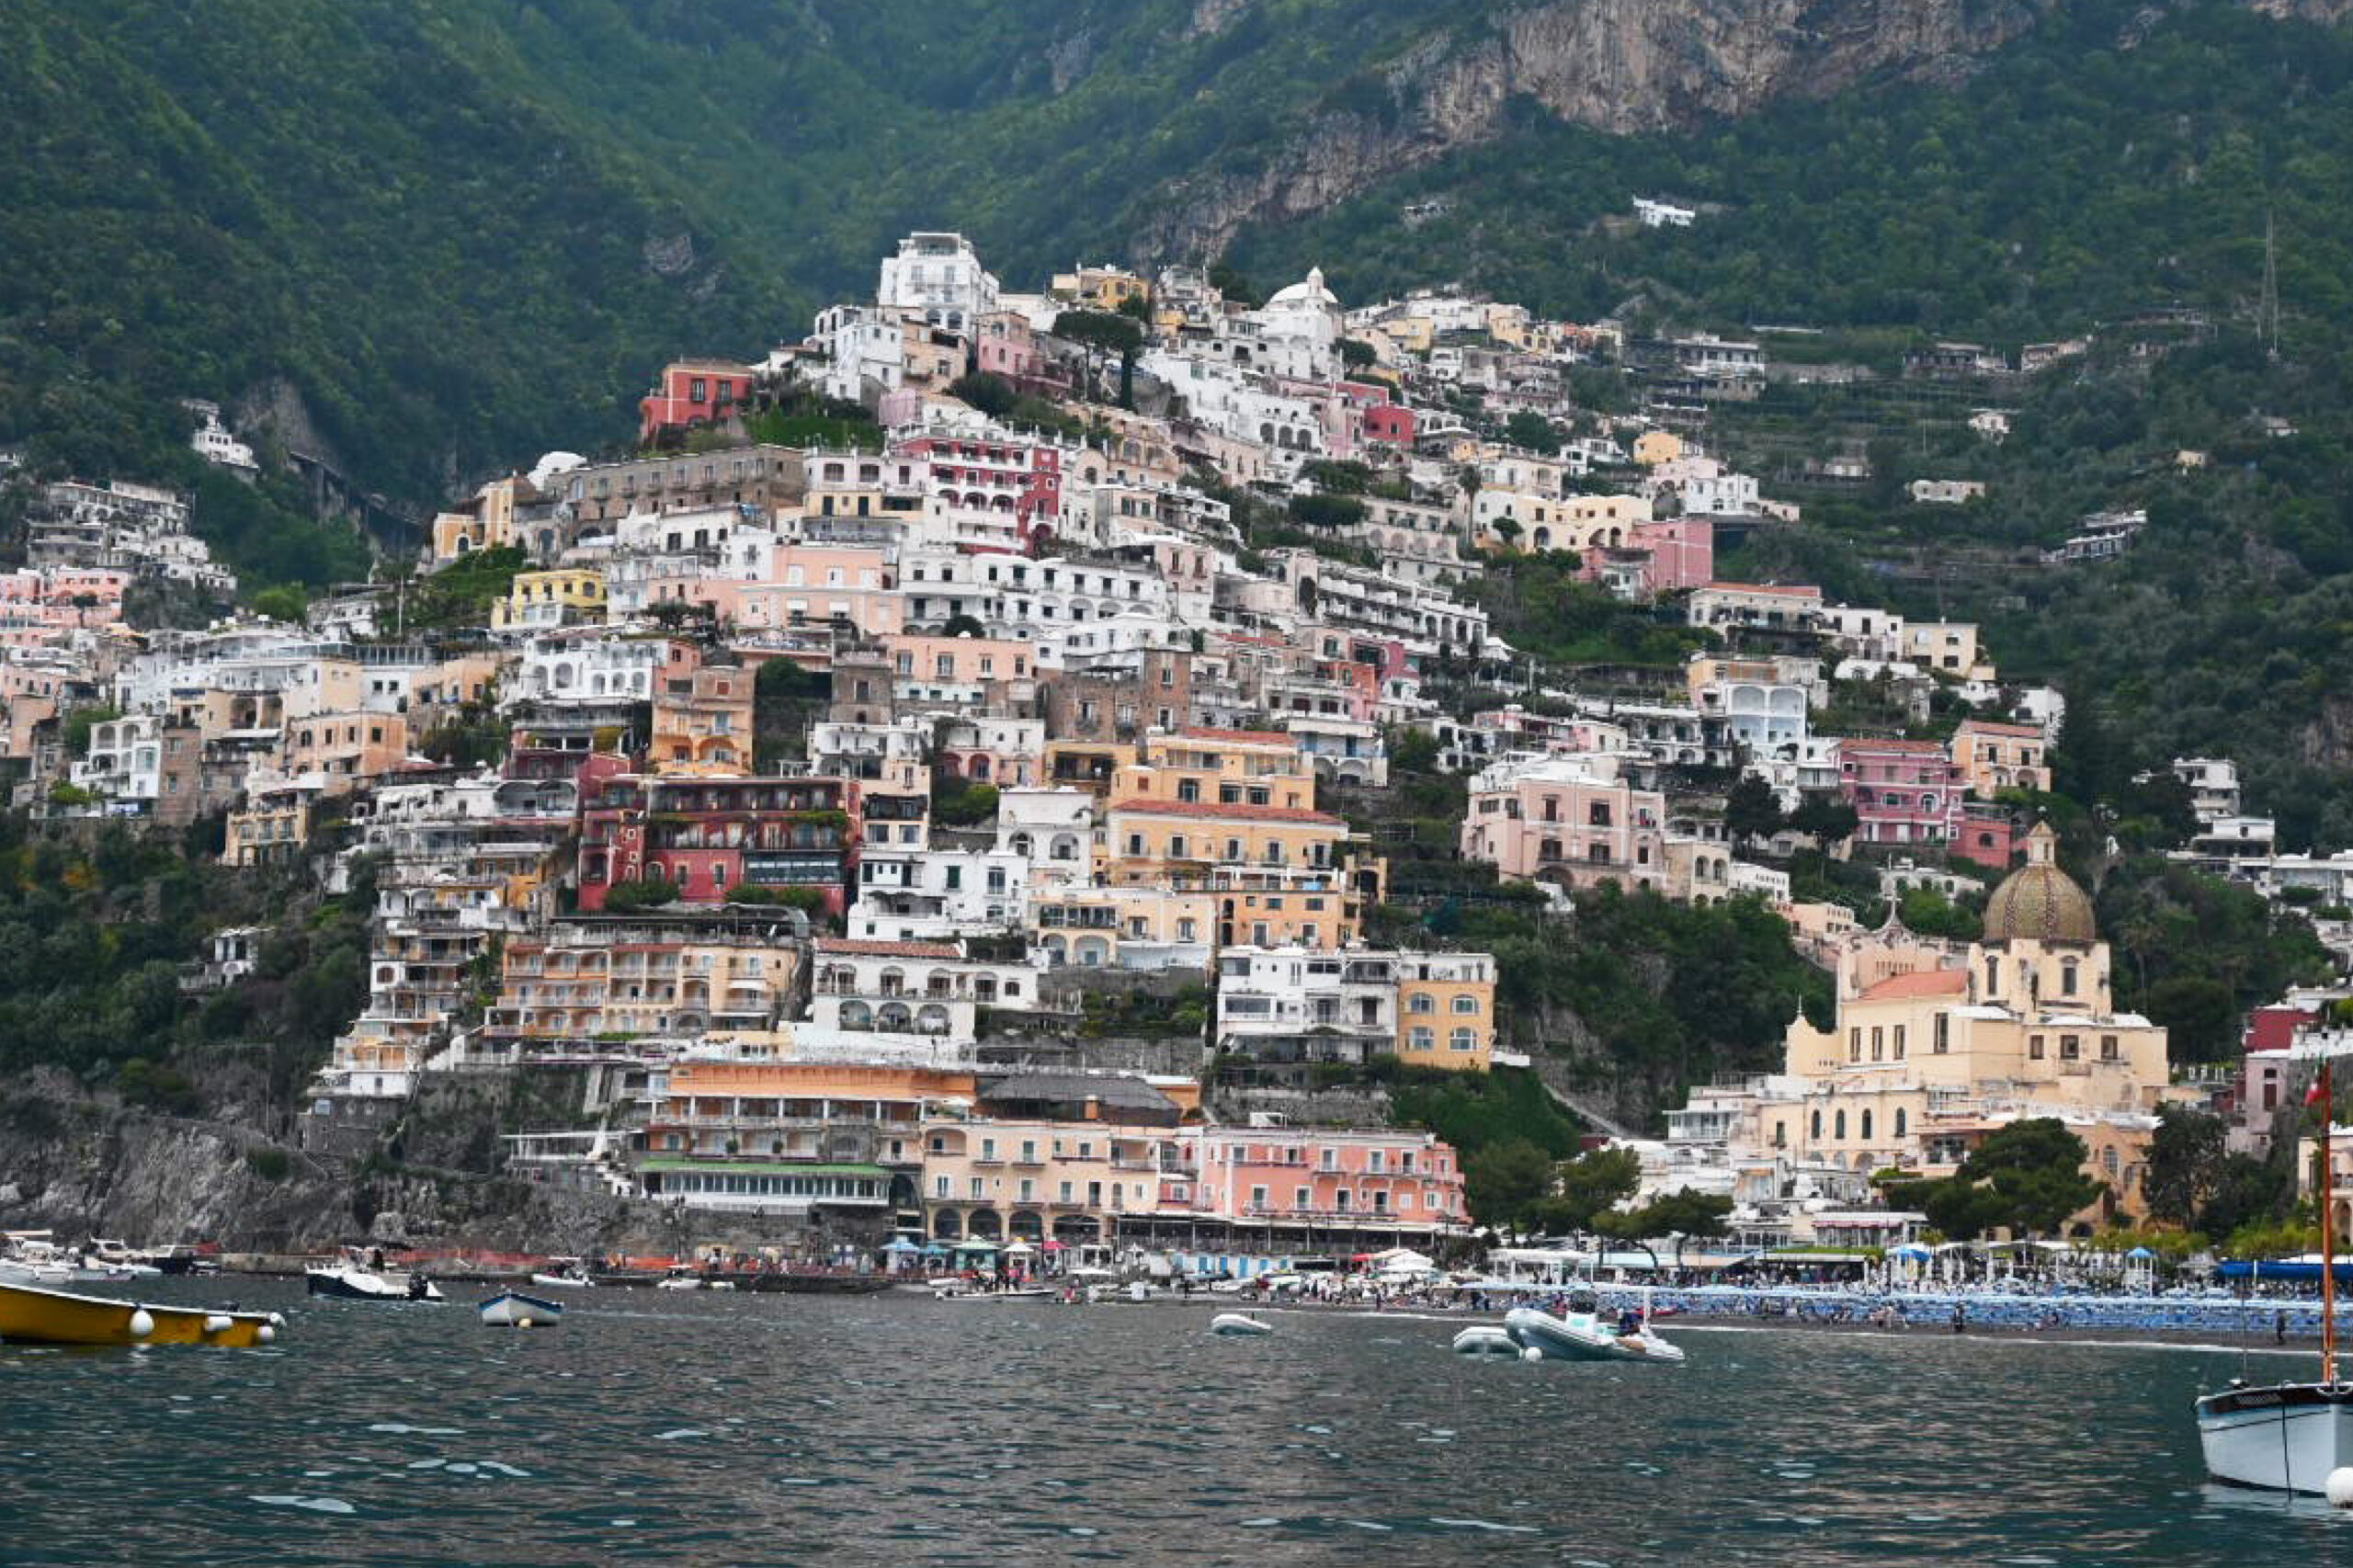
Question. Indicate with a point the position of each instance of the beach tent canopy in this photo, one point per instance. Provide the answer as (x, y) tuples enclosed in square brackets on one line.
[(1019, 1249), (2141, 1253), (1403, 1260), (900, 1243), (976, 1246), (1912, 1250)]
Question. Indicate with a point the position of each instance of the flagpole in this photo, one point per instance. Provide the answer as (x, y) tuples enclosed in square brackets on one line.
[(2328, 1233)]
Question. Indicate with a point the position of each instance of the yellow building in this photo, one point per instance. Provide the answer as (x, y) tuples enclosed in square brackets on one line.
[(1445, 1010), (1928, 1055), (486, 522), (1653, 448), (564, 596)]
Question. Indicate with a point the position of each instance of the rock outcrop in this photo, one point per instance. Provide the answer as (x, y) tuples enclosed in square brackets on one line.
[(1617, 65)]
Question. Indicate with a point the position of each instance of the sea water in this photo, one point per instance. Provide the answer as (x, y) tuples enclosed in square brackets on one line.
[(687, 1428)]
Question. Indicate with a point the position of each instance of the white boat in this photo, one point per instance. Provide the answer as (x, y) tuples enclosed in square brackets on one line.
[(1239, 1326), (1487, 1341), (2290, 1436), (1581, 1334), (679, 1281), (512, 1309), (354, 1283), (571, 1277)]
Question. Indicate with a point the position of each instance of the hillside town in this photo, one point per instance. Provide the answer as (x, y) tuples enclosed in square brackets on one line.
[(939, 782)]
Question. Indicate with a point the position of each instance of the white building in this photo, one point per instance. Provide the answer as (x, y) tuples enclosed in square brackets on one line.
[(940, 275), (213, 442)]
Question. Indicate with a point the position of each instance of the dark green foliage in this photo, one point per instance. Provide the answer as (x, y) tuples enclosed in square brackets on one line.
[(1327, 511), (1471, 1110), (1587, 1188), (1693, 1216), (1673, 993), (459, 596), (957, 801), (271, 1165), (647, 892), (2185, 1164), (1536, 605), (993, 395), (1533, 431), (1502, 1181), (1751, 810), (2194, 951)]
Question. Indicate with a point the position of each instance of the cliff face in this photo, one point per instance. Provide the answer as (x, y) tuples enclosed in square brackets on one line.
[(1622, 66)]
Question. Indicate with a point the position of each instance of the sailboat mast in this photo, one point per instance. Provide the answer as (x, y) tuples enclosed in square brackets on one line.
[(2327, 1232)]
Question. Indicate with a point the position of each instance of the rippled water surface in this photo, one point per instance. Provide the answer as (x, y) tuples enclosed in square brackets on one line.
[(747, 1429)]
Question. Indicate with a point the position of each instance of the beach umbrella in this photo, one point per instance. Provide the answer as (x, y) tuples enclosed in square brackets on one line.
[(1020, 1249), (2141, 1253)]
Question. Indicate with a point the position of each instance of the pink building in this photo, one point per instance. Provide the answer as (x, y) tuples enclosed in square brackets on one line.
[(1665, 556), (1391, 424), (1568, 820), (1292, 1179), (1987, 836), (1022, 479), (1008, 349), (1903, 791)]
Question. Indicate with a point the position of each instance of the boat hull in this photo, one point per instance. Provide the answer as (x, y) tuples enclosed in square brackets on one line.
[(512, 1309), (31, 1314), (2285, 1436), (1236, 1326)]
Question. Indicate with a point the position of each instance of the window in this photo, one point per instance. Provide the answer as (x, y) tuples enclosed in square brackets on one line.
[(1854, 1043), (2071, 1047), (2034, 1048), (1841, 1125), (2108, 1050), (1943, 1034), (1899, 1042), (1867, 1127), (2067, 978), (1817, 1124), (1466, 1004), (1899, 1121), (1303, 1197), (1258, 1197), (1422, 1037), (1421, 1001), (1464, 1040), (1878, 1044)]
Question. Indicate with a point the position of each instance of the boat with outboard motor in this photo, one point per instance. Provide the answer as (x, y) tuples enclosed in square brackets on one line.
[(1239, 1326), (35, 1314), (351, 1279), (1487, 1342), (1581, 1333), (2292, 1436)]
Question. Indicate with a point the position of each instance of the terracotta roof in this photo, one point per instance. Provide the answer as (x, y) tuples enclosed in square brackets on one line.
[(1922, 748), (1925, 982), (855, 947), (1987, 727), (1263, 738), (1212, 809), (1764, 588)]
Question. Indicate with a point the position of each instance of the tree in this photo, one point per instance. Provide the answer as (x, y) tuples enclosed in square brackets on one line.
[(648, 893), (1826, 819), (993, 395), (2185, 1164), (1102, 333), (1356, 354), (1589, 1186), (963, 625), (1751, 811), (2027, 1178), (1327, 511), (1500, 1183), (1532, 430), (283, 601)]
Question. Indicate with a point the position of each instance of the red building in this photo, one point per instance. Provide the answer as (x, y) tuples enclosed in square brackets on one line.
[(1987, 836), (1903, 791), (691, 394), (1391, 424), (713, 837)]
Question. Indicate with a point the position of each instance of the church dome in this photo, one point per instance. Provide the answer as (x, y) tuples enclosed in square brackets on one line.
[(2040, 902)]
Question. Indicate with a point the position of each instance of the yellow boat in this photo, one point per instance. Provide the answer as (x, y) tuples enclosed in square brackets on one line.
[(34, 1314)]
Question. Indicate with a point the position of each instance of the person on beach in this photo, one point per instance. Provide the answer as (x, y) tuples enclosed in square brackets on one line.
[(1959, 1318)]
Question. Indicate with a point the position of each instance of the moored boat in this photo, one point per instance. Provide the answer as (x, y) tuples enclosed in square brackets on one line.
[(512, 1309), (35, 1314), (1487, 1340), (1580, 1333), (352, 1283), (2290, 1437), (1239, 1326), (571, 1276)]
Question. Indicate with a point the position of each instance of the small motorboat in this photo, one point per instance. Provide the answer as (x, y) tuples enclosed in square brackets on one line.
[(573, 1276), (1487, 1342), (352, 1283), (1580, 1334), (512, 1309), (34, 1314), (1239, 1325), (679, 1280)]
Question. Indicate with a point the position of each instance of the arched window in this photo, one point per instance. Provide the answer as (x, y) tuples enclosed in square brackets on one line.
[(1817, 1124), (1466, 1004), (2067, 977), (1421, 1001), (1867, 1127), (1900, 1120), (1993, 975), (1841, 1125)]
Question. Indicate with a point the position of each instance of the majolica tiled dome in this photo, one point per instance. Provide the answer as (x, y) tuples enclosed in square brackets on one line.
[(2040, 902)]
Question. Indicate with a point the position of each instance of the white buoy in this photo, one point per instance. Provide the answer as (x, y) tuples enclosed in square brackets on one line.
[(218, 1322), (1532, 1354), (522, 1322), (2338, 1487), (265, 1334), (143, 1323)]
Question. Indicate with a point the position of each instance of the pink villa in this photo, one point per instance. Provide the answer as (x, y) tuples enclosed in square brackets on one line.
[(1286, 1185), (1568, 820), (1903, 791), (692, 394), (815, 584), (1665, 556), (1008, 349)]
